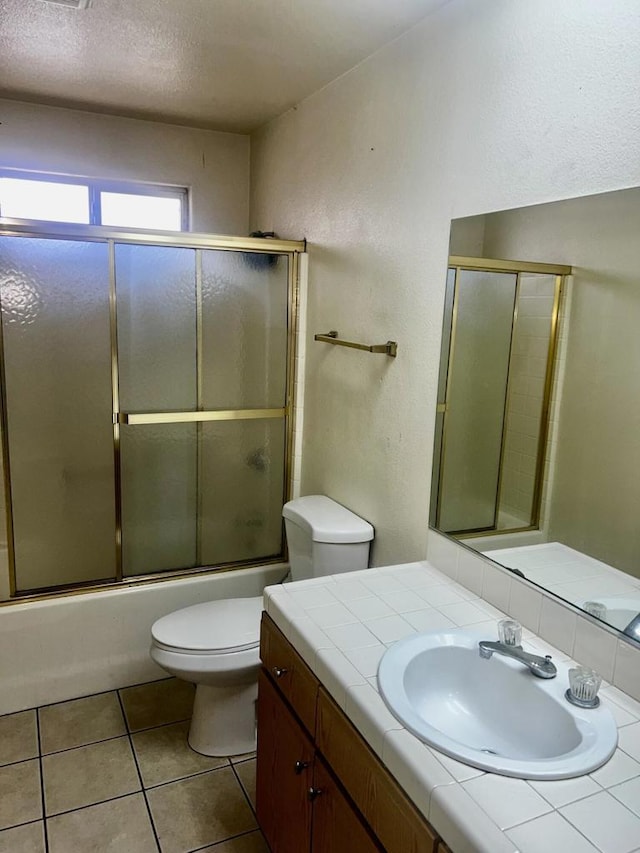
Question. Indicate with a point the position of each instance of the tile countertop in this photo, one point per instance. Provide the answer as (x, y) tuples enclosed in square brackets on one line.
[(342, 625)]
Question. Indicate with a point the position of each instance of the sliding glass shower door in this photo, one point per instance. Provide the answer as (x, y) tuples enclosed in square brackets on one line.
[(202, 343), (58, 412), (146, 392)]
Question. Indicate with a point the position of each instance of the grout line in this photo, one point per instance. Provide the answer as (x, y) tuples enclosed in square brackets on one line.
[(151, 728), (225, 840), (20, 761), (91, 805), (22, 823), (88, 696), (246, 795), (125, 733), (243, 760), (184, 778), (44, 809), (144, 793), (83, 745)]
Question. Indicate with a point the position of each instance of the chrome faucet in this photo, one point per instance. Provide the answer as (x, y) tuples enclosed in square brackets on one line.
[(540, 666), (633, 628), (510, 634)]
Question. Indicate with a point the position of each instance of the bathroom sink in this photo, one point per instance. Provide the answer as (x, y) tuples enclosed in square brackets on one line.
[(492, 714)]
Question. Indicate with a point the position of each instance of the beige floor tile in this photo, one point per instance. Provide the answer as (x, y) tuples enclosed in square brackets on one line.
[(251, 843), (18, 737), (23, 839), (119, 826), (236, 759), (199, 811), (247, 773), (80, 721), (157, 703), (164, 755), (20, 796), (89, 774)]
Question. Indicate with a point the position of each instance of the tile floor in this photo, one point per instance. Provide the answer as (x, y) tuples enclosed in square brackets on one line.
[(113, 772)]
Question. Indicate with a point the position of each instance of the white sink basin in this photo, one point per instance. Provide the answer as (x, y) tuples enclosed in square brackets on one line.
[(493, 714)]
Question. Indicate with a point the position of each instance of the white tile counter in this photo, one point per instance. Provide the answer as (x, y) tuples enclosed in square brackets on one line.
[(342, 625)]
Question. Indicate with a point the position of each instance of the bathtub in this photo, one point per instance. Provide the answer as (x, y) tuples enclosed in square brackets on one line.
[(75, 645)]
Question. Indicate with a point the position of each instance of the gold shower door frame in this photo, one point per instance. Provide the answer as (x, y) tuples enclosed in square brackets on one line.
[(187, 240), (560, 271)]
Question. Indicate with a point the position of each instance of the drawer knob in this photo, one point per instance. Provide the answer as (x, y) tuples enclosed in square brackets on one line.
[(300, 766), (313, 793), (279, 671)]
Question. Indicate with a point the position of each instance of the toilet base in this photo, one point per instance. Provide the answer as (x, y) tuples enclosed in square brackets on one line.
[(224, 720)]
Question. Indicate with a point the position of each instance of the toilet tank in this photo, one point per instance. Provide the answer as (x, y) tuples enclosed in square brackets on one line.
[(324, 537)]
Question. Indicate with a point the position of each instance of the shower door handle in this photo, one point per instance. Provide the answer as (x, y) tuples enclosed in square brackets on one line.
[(140, 418)]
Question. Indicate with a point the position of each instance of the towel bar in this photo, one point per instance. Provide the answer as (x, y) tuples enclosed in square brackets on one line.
[(390, 348)]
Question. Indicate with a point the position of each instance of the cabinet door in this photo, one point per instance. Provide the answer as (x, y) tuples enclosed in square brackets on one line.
[(284, 774), (337, 827)]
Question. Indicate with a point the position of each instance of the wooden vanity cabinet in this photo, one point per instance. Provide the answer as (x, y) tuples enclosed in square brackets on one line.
[(284, 773), (320, 788)]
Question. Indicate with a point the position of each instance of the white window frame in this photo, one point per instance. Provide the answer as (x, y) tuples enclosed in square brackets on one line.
[(97, 186)]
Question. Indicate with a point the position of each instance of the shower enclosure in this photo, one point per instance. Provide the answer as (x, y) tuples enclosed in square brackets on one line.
[(494, 394), (147, 395)]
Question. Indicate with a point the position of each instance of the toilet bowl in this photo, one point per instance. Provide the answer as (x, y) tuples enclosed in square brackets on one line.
[(215, 645)]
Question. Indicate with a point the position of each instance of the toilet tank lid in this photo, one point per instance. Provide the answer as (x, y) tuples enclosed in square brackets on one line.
[(327, 521)]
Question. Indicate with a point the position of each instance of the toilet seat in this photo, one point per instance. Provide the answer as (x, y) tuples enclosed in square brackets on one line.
[(221, 627)]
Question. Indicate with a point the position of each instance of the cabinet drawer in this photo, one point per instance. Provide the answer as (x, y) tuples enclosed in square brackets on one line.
[(289, 672), (384, 805)]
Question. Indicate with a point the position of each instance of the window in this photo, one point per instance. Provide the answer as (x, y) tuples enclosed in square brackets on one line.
[(25, 195)]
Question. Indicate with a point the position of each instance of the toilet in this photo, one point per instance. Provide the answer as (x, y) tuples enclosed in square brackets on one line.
[(215, 645)]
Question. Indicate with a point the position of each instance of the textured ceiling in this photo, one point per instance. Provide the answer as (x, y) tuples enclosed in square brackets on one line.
[(222, 64)]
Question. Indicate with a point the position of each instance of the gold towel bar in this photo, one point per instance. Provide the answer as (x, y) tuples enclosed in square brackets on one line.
[(390, 348)]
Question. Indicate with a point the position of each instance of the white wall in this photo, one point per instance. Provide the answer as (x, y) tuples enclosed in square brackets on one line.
[(484, 106), (215, 166)]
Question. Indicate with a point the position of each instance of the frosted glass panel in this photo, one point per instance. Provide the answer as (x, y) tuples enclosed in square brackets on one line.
[(244, 330), (475, 417), (242, 490), (55, 322), (159, 503), (156, 294), (529, 353)]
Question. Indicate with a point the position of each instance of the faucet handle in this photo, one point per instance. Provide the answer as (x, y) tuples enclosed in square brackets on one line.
[(510, 632), (584, 684)]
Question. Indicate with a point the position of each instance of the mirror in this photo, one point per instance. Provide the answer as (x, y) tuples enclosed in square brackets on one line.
[(537, 452)]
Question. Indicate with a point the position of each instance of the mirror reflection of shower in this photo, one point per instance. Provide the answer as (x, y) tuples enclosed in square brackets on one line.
[(494, 395)]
